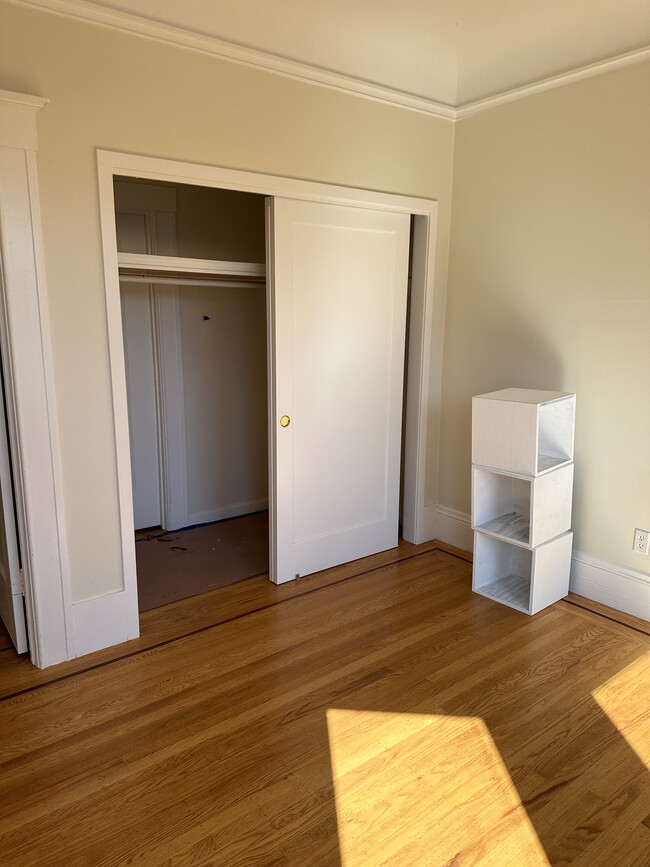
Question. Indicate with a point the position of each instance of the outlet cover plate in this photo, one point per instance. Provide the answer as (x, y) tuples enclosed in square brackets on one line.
[(641, 541)]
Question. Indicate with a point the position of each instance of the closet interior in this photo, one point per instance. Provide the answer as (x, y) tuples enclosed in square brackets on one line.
[(193, 292)]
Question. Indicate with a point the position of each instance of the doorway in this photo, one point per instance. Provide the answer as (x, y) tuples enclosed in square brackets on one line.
[(417, 516), (192, 286)]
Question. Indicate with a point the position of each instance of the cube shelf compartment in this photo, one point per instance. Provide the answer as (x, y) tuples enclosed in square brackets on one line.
[(527, 579), (523, 430), (522, 509), (522, 481)]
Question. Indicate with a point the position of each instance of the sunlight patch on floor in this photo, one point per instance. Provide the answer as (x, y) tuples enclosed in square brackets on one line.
[(424, 789), (630, 718)]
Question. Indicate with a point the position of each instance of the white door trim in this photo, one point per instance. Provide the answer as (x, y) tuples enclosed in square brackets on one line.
[(29, 382), (418, 399)]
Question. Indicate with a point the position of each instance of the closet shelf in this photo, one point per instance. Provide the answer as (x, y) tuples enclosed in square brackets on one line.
[(146, 265)]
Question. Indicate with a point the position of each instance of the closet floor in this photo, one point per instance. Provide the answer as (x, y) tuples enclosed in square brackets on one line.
[(173, 566)]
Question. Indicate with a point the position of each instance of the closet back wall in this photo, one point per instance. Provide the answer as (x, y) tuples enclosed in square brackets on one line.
[(219, 224), (223, 335), (223, 353), (223, 338)]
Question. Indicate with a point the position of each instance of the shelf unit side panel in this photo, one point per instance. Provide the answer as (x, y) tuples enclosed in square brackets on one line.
[(552, 496), (551, 571)]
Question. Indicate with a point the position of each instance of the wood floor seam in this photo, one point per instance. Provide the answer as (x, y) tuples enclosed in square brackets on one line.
[(210, 626), (607, 617)]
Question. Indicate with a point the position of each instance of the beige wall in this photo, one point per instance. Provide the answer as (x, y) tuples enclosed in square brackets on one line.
[(110, 90), (549, 287)]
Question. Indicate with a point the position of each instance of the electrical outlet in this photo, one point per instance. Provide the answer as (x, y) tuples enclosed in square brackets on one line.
[(641, 541)]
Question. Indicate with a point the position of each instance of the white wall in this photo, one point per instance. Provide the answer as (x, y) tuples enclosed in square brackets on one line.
[(115, 91), (549, 287), (224, 373)]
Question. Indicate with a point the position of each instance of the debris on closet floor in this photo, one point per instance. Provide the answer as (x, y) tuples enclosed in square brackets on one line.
[(184, 563)]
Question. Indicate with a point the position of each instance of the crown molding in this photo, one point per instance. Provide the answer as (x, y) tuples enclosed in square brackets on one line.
[(129, 23), (22, 100), (18, 119), (628, 59)]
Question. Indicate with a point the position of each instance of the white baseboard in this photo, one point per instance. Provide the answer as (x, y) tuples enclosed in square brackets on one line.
[(454, 528), (426, 526), (232, 510), (613, 585), (102, 622), (608, 583)]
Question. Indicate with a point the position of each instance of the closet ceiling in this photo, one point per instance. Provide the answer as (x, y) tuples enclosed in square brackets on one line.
[(447, 51)]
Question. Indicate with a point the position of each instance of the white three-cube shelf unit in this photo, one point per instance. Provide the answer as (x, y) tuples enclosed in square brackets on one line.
[(522, 482)]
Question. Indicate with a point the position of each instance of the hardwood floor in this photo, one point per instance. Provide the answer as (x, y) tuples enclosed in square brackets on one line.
[(375, 714)]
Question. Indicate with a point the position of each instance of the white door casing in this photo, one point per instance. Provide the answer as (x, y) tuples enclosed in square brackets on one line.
[(29, 387), (337, 302), (12, 608)]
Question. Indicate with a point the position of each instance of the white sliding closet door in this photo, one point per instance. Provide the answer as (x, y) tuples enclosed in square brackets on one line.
[(337, 315)]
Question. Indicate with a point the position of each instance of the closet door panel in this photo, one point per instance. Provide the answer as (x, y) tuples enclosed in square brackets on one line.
[(141, 394), (338, 312)]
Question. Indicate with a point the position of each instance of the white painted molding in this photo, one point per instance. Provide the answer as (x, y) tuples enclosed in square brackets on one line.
[(593, 69), (621, 588), (232, 510), (428, 525), (23, 100), (85, 10), (611, 584), (101, 622), (29, 385), (129, 23), (454, 528), (18, 120)]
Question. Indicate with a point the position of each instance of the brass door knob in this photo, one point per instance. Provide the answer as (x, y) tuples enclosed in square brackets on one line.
[(285, 421)]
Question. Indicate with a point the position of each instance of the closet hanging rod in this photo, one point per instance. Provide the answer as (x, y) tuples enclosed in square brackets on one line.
[(172, 265), (191, 280)]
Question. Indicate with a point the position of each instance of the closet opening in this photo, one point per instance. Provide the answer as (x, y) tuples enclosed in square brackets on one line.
[(193, 298)]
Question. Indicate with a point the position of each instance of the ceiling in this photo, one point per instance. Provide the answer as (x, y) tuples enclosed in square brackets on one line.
[(451, 52)]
